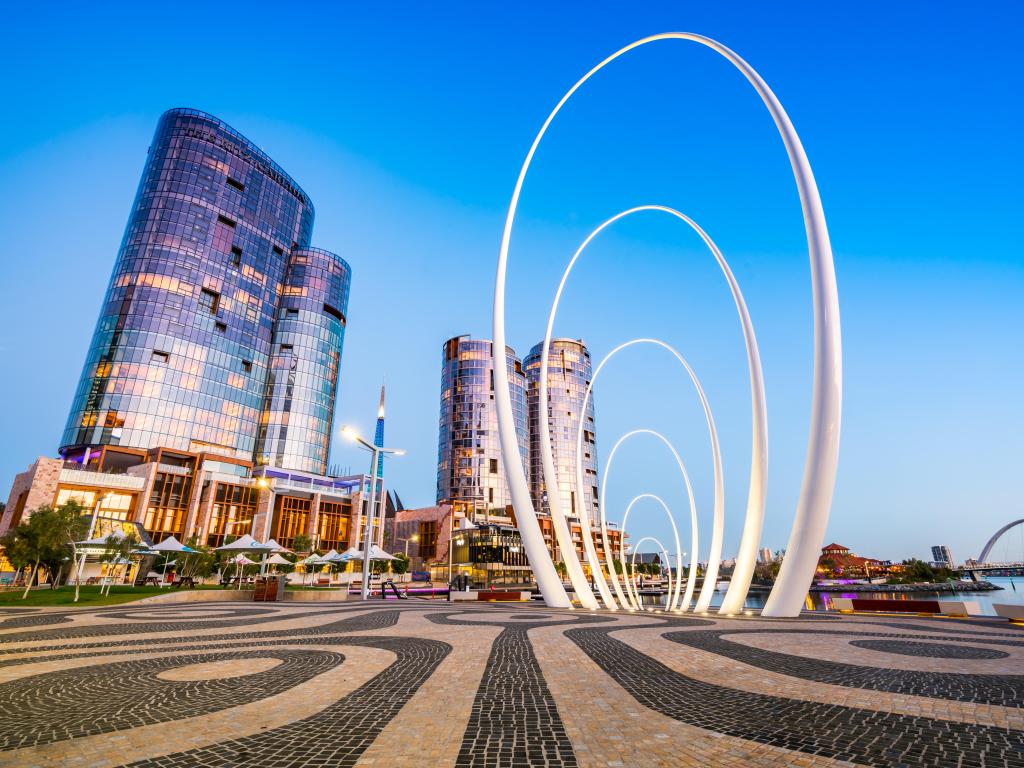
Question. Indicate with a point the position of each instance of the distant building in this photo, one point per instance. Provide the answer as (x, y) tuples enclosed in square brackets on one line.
[(841, 561), (942, 556), (764, 556)]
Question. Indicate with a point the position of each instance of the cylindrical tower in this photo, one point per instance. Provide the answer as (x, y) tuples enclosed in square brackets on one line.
[(470, 471), (180, 352), (304, 363), (569, 373)]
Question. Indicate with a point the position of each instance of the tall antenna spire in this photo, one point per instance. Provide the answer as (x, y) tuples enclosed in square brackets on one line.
[(378, 435)]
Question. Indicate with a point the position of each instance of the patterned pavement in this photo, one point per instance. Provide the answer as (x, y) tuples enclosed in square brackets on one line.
[(428, 683)]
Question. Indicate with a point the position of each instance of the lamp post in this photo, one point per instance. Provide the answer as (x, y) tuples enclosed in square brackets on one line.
[(376, 452), (92, 530), (414, 537), (451, 541), (451, 549)]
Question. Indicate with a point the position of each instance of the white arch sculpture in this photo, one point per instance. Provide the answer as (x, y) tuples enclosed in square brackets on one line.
[(718, 526), (609, 553), (811, 517), (673, 597), (632, 567), (754, 521)]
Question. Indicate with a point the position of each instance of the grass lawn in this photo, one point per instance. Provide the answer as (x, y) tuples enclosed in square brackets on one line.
[(89, 596)]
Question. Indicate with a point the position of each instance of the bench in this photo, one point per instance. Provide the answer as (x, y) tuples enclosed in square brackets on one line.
[(489, 595), (1009, 611), (933, 607)]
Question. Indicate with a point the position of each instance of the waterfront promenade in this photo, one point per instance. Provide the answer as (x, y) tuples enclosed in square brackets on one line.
[(422, 683)]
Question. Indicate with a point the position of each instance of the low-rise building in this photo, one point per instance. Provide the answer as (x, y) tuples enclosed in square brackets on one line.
[(838, 560)]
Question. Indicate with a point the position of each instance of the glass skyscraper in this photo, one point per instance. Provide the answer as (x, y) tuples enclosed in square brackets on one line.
[(221, 330), (470, 471), (569, 373)]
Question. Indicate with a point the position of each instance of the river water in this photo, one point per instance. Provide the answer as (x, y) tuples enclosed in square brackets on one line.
[(1012, 592)]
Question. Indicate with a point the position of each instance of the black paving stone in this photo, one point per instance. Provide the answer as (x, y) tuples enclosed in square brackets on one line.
[(858, 735)]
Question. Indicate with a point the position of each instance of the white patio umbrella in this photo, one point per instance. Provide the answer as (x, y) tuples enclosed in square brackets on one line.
[(376, 553), (171, 544), (274, 546), (311, 560), (244, 544), (275, 559), (239, 561)]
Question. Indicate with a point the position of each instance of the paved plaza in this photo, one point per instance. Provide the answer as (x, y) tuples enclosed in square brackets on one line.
[(428, 683)]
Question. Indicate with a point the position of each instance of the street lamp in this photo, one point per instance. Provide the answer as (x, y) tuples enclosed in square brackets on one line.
[(92, 528), (414, 537), (375, 452)]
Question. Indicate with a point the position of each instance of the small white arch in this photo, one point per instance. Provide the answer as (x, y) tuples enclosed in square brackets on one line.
[(632, 567), (609, 553), (673, 597), (718, 517)]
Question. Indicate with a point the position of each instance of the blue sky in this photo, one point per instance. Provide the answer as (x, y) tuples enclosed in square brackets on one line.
[(407, 122)]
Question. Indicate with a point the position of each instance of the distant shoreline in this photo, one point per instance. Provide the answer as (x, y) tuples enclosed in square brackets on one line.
[(945, 586)]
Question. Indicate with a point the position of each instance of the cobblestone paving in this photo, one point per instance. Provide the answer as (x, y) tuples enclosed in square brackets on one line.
[(514, 717), (82, 682), (935, 650), (1003, 690)]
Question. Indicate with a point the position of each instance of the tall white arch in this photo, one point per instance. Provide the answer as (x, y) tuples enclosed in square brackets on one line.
[(811, 518), (718, 518), (632, 567), (609, 552), (673, 597)]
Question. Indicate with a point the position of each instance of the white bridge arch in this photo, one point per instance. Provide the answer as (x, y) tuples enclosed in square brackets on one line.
[(983, 557)]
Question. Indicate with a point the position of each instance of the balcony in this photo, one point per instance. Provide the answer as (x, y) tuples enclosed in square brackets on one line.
[(92, 479)]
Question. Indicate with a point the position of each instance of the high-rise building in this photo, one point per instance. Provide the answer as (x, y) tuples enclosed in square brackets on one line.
[(764, 555), (569, 373), (221, 329), (206, 403), (470, 471), (942, 555)]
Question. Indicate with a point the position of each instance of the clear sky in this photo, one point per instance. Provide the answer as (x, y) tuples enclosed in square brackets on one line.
[(407, 123)]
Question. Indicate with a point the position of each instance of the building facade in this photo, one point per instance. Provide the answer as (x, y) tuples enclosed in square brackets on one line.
[(472, 488), (470, 470), (205, 407), (569, 373)]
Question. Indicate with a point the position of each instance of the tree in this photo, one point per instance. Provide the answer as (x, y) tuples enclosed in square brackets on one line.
[(73, 526), (46, 538), (118, 551), (302, 543), (18, 548), (828, 566), (915, 571), (400, 564), (198, 565)]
